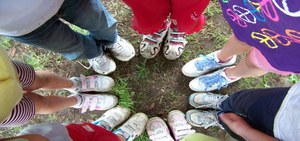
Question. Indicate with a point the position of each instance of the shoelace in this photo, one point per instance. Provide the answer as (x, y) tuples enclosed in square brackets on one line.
[(216, 78), (161, 136), (207, 120), (182, 129), (218, 98), (207, 63)]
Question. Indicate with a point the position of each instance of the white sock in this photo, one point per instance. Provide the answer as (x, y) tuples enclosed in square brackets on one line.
[(76, 84), (79, 99)]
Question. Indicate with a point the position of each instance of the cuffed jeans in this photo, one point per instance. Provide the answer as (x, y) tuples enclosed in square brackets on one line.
[(57, 36)]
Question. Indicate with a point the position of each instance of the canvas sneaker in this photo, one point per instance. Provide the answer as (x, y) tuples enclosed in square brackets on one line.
[(175, 44), (151, 43), (212, 81), (179, 125), (204, 64), (102, 64), (200, 118), (113, 117), (157, 130), (94, 101), (133, 127), (122, 50), (207, 100), (97, 83)]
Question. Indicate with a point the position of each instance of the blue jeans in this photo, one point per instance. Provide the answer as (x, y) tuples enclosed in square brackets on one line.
[(57, 36)]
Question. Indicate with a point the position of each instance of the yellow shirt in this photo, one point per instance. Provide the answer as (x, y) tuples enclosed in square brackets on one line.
[(10, 89)]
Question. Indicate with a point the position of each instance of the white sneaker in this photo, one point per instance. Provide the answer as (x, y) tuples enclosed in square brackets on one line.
[(204, 64), (175, 44), (95, 101), (211, 82), (179, 125), (151, 43), (122, 49), (157, 130), (207, 100), (97, 83), (103, 64), (113, 117), (133, 127), (200, 118)]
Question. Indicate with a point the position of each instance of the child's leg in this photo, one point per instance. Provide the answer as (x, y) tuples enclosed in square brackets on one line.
[(49, 80), (31, 80), (50, 104), (245, 68), (233, 47)]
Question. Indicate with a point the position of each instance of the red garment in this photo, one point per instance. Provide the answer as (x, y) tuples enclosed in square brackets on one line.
[(90, 132), (149, 15)]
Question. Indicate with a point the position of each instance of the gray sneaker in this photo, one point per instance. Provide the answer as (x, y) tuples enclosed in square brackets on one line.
[(207, 100), (200, 118), (103, 64), (122, 50)]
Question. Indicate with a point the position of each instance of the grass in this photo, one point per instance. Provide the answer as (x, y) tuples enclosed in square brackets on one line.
[(213, 9), (36, 61), (294, 78), (143, 137), (142, 70), (5, 42), (122, 90)]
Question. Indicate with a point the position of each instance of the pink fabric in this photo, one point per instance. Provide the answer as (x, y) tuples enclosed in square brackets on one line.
[(260, 61), (149, 15)]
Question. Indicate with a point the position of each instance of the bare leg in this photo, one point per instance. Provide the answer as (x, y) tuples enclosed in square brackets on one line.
[(51, 104), (233, 47), (49, 80), (245, 68)]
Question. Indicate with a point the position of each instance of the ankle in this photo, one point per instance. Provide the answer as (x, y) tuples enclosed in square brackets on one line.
[(222, 59), (229, 74)]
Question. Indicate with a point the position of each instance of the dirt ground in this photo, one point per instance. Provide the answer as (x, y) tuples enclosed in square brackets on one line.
[(158, 86)]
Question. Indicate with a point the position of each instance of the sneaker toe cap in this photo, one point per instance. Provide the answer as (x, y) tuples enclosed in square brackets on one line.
[(197, 85), (190, 70)]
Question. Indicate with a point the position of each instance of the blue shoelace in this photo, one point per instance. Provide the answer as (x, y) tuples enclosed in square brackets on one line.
[(216, 78), (206, 64)]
